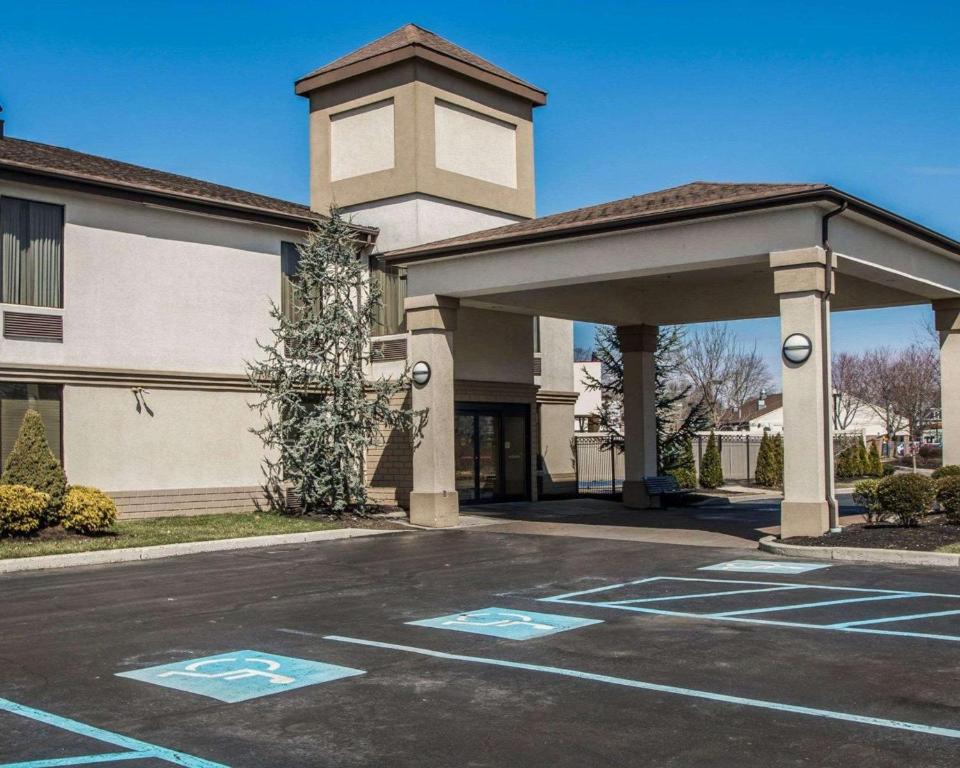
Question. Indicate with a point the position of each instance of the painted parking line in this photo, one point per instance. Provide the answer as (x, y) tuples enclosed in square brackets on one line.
[(723, 698), (506, 623), (240, 675), (765, 566), (134, 748), (888, 619), (821, 604), (754, 615)]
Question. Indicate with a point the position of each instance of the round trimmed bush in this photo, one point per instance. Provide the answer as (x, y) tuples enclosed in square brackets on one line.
[(865, 494), (22, 509), (948, 470), (87, 510), (907, 498), (948, 494)]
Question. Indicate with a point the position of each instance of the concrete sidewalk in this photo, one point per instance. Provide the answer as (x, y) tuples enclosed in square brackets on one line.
[(737, 524)]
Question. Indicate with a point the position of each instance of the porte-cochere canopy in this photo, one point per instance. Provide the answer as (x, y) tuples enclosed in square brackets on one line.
[(695, 253)]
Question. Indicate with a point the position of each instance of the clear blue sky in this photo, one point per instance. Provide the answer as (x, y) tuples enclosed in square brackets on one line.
[(862, 95)]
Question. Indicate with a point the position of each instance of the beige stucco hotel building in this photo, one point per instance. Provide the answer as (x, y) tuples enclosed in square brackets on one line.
[(131, 298)]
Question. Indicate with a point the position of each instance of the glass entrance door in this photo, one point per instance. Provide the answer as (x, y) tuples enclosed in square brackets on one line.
[(492, 459)]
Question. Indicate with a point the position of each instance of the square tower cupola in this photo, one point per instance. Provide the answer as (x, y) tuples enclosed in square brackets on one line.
[(421, 138)]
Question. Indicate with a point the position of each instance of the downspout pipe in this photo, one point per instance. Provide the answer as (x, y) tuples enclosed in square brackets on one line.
[(828, 415)]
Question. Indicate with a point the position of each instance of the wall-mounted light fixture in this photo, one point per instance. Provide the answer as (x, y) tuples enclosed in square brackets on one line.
[(420, 373), (797, 348)]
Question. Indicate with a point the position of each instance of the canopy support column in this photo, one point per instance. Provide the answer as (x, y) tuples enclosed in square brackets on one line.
[(638, 343), (431, 321), (803, 281), (947, 314)]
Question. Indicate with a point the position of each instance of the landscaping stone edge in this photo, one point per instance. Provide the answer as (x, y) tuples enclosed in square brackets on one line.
[(860, 554), (129, 554)]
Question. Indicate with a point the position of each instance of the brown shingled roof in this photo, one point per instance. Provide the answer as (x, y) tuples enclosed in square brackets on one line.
[(413, 36), (688, 197), (698, 199), (30, 157)]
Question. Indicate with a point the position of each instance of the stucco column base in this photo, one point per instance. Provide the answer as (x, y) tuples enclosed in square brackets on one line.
[(804, 518), (635, 496), (435, 509)]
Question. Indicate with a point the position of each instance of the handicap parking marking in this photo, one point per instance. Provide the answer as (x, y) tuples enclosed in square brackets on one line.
[(134, 749), (764, 566), (506, 623), (240, 675)]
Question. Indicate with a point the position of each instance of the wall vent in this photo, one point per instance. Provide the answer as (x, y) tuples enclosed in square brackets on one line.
[(537, 366), (26, 326), (388, 349)]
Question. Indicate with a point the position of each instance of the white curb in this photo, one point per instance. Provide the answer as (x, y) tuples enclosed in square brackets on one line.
[(103, 556), (860, 554)]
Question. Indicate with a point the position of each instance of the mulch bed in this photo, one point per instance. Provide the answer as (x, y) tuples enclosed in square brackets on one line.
[(935, 533)]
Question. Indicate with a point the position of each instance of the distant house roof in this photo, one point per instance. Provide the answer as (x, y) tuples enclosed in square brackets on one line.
[(412, 41), (33, 162), (688, 201), (751, 410)]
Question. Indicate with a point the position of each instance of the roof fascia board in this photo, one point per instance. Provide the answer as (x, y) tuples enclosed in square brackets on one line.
[(880, 215), (304, 86), (187, 203)]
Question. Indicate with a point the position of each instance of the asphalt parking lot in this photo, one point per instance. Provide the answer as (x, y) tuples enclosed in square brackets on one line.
[(526, 651)]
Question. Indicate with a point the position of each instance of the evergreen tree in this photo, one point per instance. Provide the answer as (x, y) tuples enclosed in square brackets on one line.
[(778, 458), (767, 462), (848, 461), (863, 458), (874, 465), (676, 424), (711, 471), (685, 470), (319, 414), (32, 463)]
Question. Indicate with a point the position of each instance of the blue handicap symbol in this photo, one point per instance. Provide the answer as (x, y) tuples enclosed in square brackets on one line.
[(506, 623), (764, 566), (240, 675)]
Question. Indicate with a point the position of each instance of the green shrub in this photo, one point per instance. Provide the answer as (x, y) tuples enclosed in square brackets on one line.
[(32, 463), (948, 470), (778, 455), (21, 509), (711, 471), (907, 498), (874, 464), (848, 463), (685, 477), (888, 470), (865, 494), (767, 463), (948, 494), (685, 468), (87, 510)]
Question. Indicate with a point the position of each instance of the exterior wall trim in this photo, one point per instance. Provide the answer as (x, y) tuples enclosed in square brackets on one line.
[(557, 397), (118, 377)]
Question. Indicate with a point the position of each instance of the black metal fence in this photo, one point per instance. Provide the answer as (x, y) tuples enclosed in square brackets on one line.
[(599, 466)]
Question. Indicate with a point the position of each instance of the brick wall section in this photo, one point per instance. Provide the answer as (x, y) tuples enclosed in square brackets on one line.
[(389, 465), (169, 502)]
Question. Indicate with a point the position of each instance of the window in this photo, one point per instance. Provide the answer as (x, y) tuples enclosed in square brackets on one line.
[(31, 246), (389, 317), (289, 266), (536, 334), (15, 400)]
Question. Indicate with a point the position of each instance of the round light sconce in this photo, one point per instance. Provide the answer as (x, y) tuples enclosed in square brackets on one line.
[(797, 348), (420, 373)]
